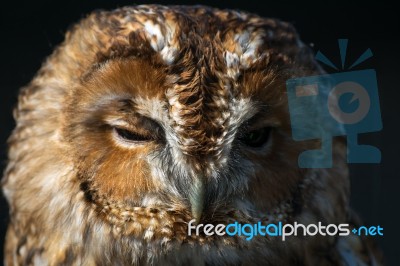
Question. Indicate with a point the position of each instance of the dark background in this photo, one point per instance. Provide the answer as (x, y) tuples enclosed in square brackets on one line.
[(30, 30)]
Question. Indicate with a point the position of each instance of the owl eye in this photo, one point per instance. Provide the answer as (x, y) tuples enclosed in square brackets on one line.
[(256, 138), (128, 135)]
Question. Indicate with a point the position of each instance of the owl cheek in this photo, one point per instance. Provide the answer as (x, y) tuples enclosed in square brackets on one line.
[(123, 177), (271, 181)]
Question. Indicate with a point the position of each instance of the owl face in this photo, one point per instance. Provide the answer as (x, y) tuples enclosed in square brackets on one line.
[(188, 116), (148, 117)]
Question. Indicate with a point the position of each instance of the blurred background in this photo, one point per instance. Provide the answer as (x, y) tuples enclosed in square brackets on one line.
[(30, 30)]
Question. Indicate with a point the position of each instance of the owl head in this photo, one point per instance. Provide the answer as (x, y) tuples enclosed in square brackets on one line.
[(148, 117)]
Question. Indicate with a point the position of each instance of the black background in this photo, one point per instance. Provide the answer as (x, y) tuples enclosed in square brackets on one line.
[(30, 30)]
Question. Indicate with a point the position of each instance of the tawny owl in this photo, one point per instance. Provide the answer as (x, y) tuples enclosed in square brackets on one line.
[(146, 118)]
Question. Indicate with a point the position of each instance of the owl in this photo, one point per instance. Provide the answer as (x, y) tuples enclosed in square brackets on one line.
[(149, 118)]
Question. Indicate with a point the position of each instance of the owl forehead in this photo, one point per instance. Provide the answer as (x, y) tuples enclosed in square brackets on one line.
[(171, 30), (204, 53)]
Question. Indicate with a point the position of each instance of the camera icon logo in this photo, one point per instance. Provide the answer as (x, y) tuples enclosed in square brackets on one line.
[(340, 104)]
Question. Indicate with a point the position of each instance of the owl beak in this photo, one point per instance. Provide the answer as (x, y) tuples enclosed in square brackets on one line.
[(196, 198)]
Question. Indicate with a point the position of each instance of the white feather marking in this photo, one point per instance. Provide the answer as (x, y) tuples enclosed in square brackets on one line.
[(156, 37), (162, 43)]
